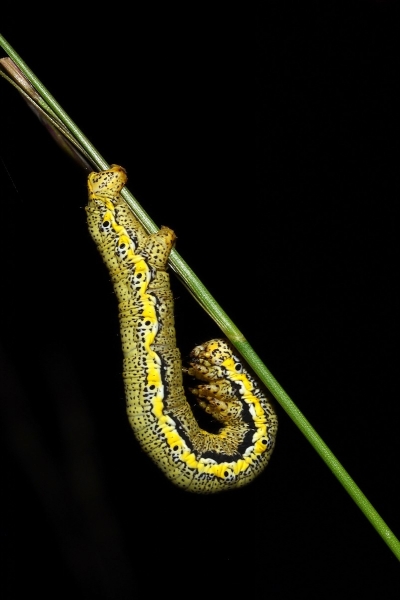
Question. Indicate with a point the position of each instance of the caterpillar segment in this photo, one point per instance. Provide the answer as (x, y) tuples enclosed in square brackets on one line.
[(159, 413)]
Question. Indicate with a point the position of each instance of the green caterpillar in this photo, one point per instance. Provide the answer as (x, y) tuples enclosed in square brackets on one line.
[(160, 415)]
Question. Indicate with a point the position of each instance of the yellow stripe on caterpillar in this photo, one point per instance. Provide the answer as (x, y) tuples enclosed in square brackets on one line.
[(159, 413)]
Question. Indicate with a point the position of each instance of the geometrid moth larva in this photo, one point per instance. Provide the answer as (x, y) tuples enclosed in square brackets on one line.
[(160, 415)]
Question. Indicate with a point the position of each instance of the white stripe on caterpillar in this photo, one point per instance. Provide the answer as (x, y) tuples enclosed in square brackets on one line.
[(158, 411)]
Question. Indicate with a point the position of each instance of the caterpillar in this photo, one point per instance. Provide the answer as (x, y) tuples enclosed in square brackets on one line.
[(158, 411)]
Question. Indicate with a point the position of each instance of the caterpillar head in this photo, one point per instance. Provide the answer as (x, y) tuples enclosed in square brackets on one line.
[(107, 184)]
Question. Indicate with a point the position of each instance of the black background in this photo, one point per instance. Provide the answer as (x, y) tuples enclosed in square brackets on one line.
[(268, 142)]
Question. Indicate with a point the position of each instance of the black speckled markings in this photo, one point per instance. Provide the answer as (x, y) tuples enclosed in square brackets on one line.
[(158, 411)]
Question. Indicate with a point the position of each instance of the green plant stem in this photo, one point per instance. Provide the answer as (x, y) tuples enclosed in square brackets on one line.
[(229, 329)]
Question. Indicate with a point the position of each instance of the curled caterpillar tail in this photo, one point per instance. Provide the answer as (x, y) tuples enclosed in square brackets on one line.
[(159, 413)]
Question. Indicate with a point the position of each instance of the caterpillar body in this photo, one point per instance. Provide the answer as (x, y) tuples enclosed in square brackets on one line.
[(160, 415)]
